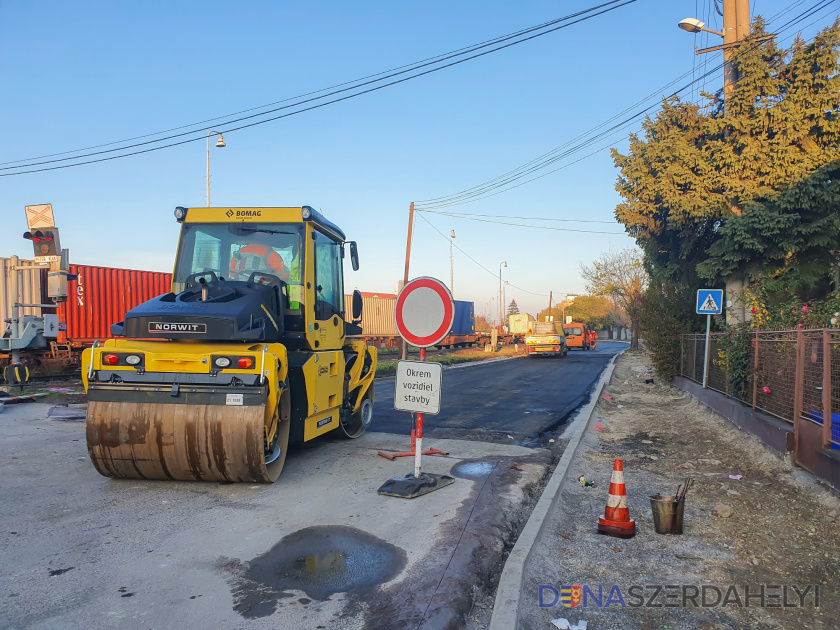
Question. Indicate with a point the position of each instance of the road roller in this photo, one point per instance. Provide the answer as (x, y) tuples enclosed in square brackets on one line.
[(247, 354)]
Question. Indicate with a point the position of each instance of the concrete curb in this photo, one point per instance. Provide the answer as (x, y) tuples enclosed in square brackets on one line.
[(508, 594)]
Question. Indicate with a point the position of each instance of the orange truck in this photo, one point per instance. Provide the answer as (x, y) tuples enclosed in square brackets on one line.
[(577, 335)]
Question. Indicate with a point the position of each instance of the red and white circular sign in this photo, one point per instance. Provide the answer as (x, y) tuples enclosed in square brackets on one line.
[(424, 312)]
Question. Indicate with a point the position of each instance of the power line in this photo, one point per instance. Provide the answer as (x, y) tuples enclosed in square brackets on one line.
[(481, 191), (460, 249), (502, 216), (535, 227), (571, 19)]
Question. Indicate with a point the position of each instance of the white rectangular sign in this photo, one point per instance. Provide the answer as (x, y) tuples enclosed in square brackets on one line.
[(418, 387)]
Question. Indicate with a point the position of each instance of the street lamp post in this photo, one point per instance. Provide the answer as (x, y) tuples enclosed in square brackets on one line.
[(503, 263), (219, 143), (504, 300), (736, 26), (451, 265)]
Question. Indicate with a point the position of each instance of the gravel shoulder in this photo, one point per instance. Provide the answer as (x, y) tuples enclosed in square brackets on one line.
[(774, 526)]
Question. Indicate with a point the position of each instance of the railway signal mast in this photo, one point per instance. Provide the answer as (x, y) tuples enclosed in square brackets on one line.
[(31, 331)]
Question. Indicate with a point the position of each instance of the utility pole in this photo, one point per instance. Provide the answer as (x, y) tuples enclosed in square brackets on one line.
[(403, 344), (550, 296), (736, 26), (500, 290), (451, 265)]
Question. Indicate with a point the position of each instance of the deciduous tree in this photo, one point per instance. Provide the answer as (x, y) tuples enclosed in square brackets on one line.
[(620, 276)]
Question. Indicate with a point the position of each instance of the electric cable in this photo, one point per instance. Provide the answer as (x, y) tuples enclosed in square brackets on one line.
[(460, 249), (534, 227), (480, 191), (502, 216), (581, 16)]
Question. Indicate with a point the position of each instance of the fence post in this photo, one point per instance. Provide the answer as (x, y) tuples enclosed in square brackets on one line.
[(727, 373), (799, 386), (694, 361), (755, 371), (826, 389), (682, 355)]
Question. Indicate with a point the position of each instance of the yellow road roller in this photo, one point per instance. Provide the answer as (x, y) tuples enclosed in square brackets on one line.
[(247, 354)]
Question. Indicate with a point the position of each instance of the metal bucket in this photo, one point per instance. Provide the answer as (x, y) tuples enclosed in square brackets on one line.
[(667, 515)]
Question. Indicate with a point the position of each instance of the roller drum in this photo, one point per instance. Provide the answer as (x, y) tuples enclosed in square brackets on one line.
[(138, 440)]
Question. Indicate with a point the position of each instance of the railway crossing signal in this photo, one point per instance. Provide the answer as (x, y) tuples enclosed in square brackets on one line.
[(45, 244)]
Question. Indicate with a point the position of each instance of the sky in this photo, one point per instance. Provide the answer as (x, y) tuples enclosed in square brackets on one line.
[(87, 73)]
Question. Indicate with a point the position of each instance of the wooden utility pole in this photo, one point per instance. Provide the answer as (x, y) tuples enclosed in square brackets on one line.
[(550, 296), (403, 344), (736, 26)]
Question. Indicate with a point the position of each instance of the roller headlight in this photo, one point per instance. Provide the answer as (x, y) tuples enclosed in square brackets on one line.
[(133, 359), (222, 362)]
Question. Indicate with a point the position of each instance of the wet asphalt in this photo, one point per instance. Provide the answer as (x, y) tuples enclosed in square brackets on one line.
[(512, 401)]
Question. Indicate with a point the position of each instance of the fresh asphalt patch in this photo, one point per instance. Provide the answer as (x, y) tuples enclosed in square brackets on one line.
[(319, 548), (514, 401)]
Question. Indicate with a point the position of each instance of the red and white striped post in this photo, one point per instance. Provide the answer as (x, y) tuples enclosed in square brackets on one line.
[(418, 449)]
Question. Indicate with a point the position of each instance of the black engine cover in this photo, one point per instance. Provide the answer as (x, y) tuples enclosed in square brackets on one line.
[(232, 311)]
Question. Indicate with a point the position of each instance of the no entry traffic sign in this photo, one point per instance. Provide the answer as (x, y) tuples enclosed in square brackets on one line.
[(424, 312)]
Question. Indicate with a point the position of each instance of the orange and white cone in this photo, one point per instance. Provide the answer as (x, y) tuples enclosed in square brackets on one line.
[(616, 520)]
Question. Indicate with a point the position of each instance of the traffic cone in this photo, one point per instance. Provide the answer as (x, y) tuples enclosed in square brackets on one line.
[(616, 520)]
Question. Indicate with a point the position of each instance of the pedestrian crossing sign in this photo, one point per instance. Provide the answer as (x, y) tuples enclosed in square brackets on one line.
[(709, 301)]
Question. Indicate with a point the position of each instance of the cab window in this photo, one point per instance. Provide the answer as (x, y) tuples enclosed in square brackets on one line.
[(329, 292), (573, 331)]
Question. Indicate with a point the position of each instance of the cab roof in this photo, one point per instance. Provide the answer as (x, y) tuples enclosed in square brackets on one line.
[(302, 214)]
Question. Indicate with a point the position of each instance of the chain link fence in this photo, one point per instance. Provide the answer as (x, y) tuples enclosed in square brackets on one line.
[(784, 373)]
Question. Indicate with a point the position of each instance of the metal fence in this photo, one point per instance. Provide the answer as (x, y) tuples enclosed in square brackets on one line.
[(793, 375)]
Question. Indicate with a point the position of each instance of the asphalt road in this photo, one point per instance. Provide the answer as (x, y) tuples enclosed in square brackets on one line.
[(521, 398), (318, 549)]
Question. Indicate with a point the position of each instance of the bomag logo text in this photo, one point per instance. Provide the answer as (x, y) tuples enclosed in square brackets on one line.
[(242, 214)]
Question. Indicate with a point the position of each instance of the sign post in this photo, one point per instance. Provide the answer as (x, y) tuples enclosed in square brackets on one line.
[(709, 302), (424, 314)]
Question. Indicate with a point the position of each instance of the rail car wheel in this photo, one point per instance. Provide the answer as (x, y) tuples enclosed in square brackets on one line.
[(356, 423)]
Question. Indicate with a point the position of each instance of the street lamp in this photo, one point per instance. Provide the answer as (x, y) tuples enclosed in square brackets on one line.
[(220, 143), (451, 265), (504, 299), (693, 25), (503, 263)]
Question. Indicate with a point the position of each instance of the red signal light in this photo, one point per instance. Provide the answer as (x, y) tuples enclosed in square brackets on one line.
[(110, 359), (245, 363)]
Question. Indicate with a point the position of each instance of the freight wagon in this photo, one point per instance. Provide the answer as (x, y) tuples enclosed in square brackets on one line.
[(379, 327), (98, 297)]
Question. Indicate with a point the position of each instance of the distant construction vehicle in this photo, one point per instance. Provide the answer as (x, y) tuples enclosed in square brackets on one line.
[(247, 353), (577, 335), (546, 339)]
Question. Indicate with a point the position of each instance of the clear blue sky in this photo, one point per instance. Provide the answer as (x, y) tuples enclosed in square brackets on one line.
[(84, 73)]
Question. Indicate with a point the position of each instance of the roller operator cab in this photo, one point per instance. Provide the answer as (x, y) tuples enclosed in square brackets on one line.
[(246, 354)]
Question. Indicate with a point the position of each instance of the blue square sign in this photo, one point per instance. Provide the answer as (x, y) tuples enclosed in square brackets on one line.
[(709, 301)]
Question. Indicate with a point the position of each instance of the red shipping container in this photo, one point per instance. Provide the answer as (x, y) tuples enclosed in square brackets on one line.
[(101, 296)]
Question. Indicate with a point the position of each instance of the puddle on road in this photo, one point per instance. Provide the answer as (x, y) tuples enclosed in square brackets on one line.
[(320, 561), (472, 469)]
